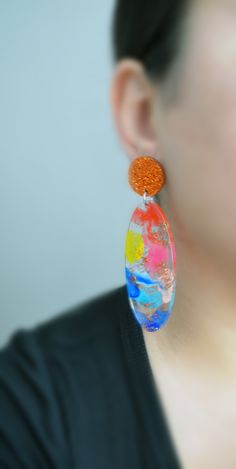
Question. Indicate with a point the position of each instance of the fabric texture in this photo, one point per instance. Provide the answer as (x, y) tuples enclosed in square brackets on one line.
[(77, 391)]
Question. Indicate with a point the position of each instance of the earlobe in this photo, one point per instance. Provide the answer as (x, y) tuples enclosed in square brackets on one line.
[(131, 97)]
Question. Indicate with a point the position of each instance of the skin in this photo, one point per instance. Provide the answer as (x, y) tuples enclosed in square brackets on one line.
[(188, 122)]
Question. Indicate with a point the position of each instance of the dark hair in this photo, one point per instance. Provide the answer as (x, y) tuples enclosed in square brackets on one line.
[(148, 30)]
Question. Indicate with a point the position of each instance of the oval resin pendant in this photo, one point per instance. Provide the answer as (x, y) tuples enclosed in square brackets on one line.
[(150, 266)]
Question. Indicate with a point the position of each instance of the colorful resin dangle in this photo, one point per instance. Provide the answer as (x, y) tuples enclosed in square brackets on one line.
[(150, 258)]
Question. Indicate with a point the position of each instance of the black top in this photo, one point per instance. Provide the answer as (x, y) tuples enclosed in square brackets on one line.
[(77, 391)]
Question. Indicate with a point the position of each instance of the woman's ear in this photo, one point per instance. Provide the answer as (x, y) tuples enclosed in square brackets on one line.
[(132, 97)]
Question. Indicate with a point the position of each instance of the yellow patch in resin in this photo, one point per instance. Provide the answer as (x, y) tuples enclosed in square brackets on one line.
[(134, 246)]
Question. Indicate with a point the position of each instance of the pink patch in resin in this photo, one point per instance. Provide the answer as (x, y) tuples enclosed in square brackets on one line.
[(157, 254)]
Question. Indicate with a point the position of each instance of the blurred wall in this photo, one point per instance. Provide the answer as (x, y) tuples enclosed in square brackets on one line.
[(64, 198)]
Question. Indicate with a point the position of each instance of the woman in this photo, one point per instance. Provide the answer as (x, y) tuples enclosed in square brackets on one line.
[(90, 389)]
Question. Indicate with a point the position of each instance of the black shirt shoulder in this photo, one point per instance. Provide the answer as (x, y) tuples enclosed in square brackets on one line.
[(52, 384)]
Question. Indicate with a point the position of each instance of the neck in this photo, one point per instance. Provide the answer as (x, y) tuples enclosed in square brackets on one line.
[(201, 331)]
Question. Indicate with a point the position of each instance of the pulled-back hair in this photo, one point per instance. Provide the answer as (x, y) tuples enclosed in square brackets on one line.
[(149, 31)]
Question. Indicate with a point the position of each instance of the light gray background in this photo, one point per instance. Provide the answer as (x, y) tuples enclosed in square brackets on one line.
[(65, 202)]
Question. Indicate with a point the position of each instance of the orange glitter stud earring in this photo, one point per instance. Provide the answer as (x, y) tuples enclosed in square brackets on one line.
[(146, 174), (150, 256)]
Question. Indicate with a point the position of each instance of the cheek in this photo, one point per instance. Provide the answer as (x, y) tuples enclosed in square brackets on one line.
[(199, 149)]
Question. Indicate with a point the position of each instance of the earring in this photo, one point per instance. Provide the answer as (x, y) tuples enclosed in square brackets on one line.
[(150, 256)]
